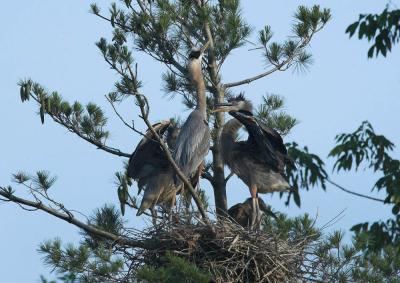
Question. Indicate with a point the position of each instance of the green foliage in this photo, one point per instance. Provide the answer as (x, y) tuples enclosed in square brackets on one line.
[(376, 267), (120, 59), (292, 52), (41, 181), (292, 229), (122, 181), (270, 113), (175, 270), (364, 146), (330, 259), (309, 171), (167, 30), (20, 177), (383, 29), (327, 259), (88, 123), (106, 218), (94, 259)]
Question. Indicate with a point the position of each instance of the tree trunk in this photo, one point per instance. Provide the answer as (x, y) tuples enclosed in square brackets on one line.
[(219, 183)]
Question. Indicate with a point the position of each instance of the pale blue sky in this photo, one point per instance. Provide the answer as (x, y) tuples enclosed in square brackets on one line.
[(53, 43)]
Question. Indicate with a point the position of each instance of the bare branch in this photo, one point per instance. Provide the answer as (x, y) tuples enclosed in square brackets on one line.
[(122, 119), (353, 193), (249, 80), (229, 176), (208, 176)]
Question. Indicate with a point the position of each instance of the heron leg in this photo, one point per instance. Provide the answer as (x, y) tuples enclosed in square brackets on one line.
[(259, 215), (201, 171), (255, 208), (172, 206), (154, 215), (195, 180)]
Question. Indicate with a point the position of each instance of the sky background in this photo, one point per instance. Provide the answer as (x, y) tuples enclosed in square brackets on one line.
[(52, 42)]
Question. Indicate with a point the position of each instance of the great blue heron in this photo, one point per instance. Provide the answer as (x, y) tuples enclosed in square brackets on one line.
[(259, 161), (193, 141), (152, 171), (242, 212)]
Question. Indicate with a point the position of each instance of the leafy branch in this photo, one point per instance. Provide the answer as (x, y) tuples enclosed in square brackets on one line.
[(383, 29), (60, 211), (86, 122), (291, 52)]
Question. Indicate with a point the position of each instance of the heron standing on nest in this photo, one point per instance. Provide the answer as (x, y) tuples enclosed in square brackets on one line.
[(259, 161), (193, 141)]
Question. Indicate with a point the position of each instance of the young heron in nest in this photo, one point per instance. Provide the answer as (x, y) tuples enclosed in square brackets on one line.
[(242, 212)]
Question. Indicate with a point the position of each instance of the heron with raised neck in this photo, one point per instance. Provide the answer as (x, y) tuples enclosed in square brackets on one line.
[(193, 141)]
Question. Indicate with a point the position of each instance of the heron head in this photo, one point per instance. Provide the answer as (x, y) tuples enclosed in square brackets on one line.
[(196, 54), (194, 64), (265, 208), (236, 103)]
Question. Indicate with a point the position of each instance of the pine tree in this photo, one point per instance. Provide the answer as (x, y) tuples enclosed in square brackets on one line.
[(166, 31)]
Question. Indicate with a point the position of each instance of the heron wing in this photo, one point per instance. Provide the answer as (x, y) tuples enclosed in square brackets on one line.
[(274, 137), (148, 155), (259, 144), (192, 144)]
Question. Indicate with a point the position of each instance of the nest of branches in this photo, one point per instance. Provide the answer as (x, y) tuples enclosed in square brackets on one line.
[(229, 252)]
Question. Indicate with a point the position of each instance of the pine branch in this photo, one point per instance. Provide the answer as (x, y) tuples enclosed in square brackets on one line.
[(68, 217), (165, 52), (73, 129), (309, 22)]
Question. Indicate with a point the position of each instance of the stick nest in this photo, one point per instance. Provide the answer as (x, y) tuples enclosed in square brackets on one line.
[(228, 251)]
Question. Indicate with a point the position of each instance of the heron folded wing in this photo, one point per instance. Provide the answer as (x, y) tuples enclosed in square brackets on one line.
[(192, 144)]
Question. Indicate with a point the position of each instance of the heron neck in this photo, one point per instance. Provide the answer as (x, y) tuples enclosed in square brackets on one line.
[(201, 94), (196, 75), (229, 136)]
